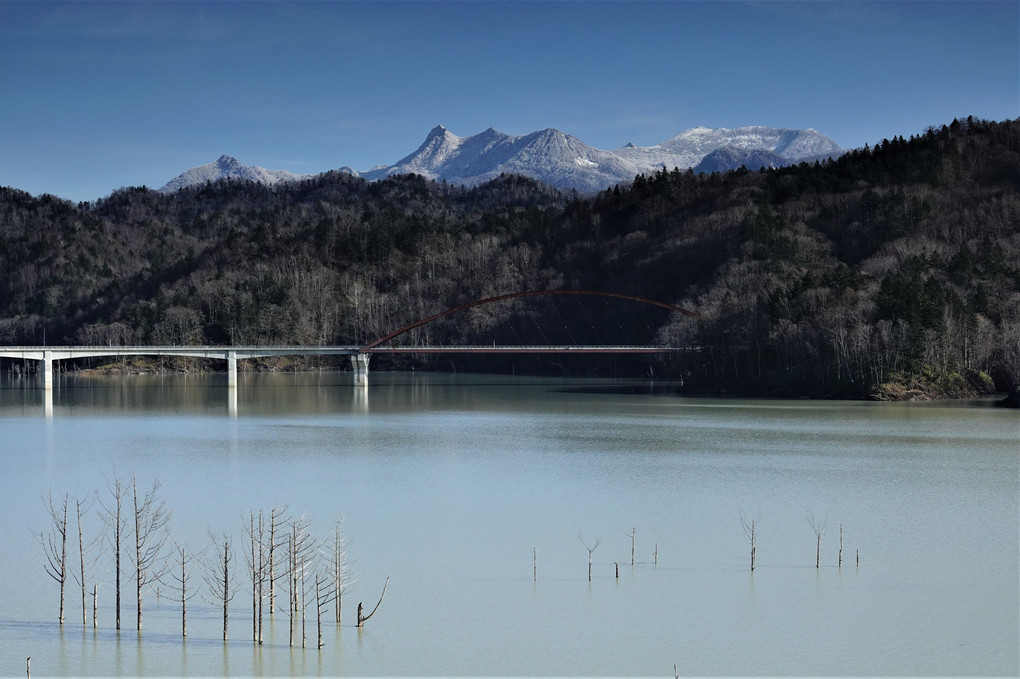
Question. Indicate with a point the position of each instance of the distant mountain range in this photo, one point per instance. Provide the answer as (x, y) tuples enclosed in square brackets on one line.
[(560, 159)]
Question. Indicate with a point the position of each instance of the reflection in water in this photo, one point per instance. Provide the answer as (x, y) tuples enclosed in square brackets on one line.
[(360, 399)]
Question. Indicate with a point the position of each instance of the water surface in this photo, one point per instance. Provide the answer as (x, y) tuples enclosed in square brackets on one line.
[(457, 487)]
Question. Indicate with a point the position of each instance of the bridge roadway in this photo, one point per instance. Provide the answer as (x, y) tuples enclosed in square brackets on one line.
[(359, 355)]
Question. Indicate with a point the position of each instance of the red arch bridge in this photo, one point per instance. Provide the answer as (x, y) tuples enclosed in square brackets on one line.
[(359, 354)]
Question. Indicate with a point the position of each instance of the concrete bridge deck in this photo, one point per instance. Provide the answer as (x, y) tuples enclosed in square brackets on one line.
[(229, 354), (359, 355)]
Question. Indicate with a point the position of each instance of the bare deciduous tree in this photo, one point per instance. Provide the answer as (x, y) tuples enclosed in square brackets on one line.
[(88, 553), (117, 522), (750, 526), (818, 527), (325, 594), (178, 580), (219, 578), (54, 543), (277, 518), (301, 551), (339, 572), (256, 559), (590, 549), (151, 517)]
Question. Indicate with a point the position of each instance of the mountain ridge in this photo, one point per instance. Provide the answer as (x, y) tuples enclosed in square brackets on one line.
[(560, 159)]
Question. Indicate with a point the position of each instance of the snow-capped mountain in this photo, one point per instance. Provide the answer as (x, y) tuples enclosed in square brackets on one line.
[(559, 159), (227, 167), (562, 160), (688, 148), (548, 155)]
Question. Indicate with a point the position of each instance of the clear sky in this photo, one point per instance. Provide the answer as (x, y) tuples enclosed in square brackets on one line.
[(99, 95)]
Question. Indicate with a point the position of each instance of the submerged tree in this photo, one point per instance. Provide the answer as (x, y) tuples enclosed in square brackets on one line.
[(750, 526), (339, 572), (362, 618), (219, 578), (275, 541), (257, 569), (325, 594), (117, 523), (88, 553), (54, 545), (590, 549), (151, 517), (301, 553), (178, 579), (818, 527)]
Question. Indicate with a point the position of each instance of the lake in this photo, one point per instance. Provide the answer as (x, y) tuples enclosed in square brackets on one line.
[(472, 494)]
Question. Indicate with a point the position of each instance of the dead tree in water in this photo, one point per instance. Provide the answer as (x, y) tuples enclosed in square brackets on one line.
[(54, 545), (277, 518), (325, 594), (339, 572), (750, 527), (219, 579), (151, 517), (258, 570), (840, 545), (363, 618), (88, 554), (301, 552), (117, 522), (590, 550), (178, 580), (818, 527), (633, 542), (95, 606)]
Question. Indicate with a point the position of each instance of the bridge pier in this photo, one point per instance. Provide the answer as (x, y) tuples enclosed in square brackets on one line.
[(231, 368), (359, 364), (47, 371)]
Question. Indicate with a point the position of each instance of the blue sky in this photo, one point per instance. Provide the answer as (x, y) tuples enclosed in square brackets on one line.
[(96, 96)]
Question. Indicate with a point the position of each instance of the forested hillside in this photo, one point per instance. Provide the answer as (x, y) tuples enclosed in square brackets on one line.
[(895, 269)]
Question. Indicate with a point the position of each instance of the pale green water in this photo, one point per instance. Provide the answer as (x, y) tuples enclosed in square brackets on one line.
[(448, 484)]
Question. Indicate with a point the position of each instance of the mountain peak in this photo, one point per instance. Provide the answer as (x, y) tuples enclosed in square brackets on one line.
[(226, 162)]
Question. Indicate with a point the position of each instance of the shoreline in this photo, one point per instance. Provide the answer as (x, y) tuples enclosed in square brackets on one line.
[(901, 390)]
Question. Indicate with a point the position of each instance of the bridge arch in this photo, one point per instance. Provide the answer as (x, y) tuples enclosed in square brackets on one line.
[(517, 295)]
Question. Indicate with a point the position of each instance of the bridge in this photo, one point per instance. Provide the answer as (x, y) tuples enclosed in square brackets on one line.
[(360, 355)]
